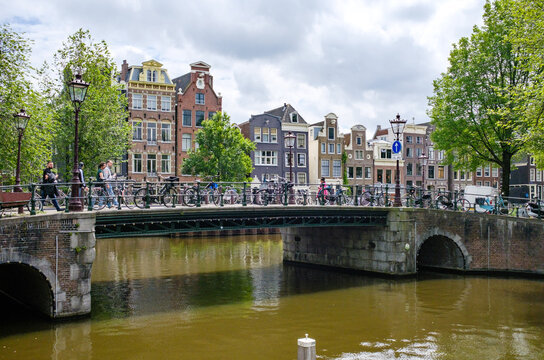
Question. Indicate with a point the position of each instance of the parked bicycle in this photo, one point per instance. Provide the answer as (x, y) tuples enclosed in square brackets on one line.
[(152, 194)]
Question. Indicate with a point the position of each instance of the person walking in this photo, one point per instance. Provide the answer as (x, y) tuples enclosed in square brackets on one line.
[(100, 181), (83, 187), (49, 178), (109, 178)]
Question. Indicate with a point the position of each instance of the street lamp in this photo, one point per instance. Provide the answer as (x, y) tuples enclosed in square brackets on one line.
[(20, 121), (290, 143), (397, 125), (78, 90)]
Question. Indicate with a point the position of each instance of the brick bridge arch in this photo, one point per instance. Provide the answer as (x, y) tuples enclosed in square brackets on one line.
[(440, 248)]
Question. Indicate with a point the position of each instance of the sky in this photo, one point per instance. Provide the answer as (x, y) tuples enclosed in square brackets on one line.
[(363, 60)]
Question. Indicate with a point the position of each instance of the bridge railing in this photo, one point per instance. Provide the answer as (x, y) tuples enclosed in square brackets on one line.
[(172, 193)]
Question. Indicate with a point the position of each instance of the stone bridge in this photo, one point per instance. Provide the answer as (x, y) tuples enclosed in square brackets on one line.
[(46, 260)]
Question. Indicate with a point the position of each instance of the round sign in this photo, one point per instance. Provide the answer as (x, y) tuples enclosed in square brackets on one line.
[(397, 147)]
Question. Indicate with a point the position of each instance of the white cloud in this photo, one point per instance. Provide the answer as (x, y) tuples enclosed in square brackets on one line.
[(363, 60)]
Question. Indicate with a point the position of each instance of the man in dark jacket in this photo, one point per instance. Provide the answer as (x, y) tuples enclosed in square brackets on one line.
[(49, 178)]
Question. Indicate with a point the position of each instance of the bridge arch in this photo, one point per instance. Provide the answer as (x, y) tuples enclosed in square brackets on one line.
[(28, 284), (442, 249)]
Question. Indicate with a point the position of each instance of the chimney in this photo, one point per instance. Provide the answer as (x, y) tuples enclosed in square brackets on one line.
[(284, 106), (124, 70), (379, 127)]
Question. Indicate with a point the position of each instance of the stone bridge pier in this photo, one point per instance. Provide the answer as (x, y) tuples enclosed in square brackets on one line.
[(46, 261)]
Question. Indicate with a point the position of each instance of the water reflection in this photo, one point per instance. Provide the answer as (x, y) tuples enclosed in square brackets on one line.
[(233, 298)]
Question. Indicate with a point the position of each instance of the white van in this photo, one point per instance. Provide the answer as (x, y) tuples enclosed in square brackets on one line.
[(473, 191)]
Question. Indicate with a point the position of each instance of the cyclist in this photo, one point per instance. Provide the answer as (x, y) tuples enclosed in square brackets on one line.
[(323, 189)]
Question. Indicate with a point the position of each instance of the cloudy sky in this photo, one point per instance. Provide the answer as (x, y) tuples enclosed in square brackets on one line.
[(363, 60)]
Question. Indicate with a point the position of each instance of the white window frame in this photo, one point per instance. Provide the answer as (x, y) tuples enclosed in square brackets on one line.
[(151, 102), (331, 146), (151, 132), (323, 148), (137, 101), (186, 140), (137, 157), (166, 100), (301, 140), (336, 168), (266, 158), (303, 157), (325, 164), (151, 165), (137, 126), (166, 160), (166, 128)]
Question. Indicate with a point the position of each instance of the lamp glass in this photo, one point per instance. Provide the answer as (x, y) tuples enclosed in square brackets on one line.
[(290, 140), (78, 89), (20, 119)]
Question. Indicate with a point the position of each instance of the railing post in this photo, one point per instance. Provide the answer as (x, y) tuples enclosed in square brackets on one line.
[(90, 197), (455, 201), (32, 198), (421, 195), (355, 195), (198, 194), (495, 207), (119, 200), (222, 197), (266, 197), (244, 195), (305, 198), (285, 194), (386, 195), (147, 199), (66, 202)]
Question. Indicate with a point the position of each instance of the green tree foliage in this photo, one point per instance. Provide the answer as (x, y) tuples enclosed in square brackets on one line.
[(478, 114), (222, 151), (16, 92), (104, 132)]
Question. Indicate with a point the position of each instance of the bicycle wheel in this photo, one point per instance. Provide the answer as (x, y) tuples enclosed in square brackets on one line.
[(61, 198), (188, 197), (128, 199), (98, 198), (37, 204), (463, 205), (139, 198), (230, 197), (365, 199), (168, 197), (443, 203)]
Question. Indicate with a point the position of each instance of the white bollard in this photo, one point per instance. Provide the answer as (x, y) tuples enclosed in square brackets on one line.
[(306, 349)]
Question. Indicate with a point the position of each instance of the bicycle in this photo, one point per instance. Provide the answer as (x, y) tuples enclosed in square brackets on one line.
[(410, 199), (211, 193), (445, 203), (484, 205), (373, 197), (166, 195)]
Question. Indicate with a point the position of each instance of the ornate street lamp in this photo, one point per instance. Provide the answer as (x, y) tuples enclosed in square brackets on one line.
[(20, 121), (78, 91), (397, 125), (290, 143)]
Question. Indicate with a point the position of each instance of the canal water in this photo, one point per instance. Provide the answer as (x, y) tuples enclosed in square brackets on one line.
[(233, 298)]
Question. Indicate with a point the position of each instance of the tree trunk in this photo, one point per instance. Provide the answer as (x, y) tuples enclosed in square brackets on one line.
[(506, 161)]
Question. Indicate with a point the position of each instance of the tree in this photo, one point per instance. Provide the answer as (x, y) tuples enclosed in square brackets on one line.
[(16, 92), (104, 132), (478, 116), (222, 151)]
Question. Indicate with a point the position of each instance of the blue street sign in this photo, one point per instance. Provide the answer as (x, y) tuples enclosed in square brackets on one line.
[(397, 147)]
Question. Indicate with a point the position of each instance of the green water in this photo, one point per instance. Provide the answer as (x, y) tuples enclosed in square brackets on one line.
[(232, 298)]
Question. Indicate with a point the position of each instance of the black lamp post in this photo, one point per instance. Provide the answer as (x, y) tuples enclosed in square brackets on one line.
[(397, 125), (290, 143), (78, 91), (20, 121)]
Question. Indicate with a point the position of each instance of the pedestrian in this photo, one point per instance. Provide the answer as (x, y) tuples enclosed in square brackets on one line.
[(108, 179), (100, 180), (83, 187), (49, 178)]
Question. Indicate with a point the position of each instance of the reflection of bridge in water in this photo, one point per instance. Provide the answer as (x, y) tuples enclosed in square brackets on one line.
[(46, 260)]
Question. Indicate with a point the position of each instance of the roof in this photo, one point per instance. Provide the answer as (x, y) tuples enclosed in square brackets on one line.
[(284, 112), (182, 82)]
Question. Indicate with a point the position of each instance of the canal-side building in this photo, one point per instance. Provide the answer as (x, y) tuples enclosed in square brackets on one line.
[(526, 180), (326, 145), (150, 95), (271, 156), (414, 141), (196, 100), (359, 160)]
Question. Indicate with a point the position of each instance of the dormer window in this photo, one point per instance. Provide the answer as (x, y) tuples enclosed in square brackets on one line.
[(294, 117), (152, 75)]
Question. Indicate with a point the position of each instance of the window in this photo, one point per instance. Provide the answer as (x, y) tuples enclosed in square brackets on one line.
[(166, 133), (151, 102), (408, 139), (431, 154), (148, 75), (301, 141), (358, 154), (336, 168), (479, 171), (211, 114), (137, 101), (266, 135), (455, 175), (137, 129), (325, 171), (419, 152), (479, 183), (287, 157), (166, 103), (199, 118), (199, 99), (301, 160), (409, 152), (495, 172), (379, 175), (266, 157), (136, 163), (418, 139), (338, 148), (441, 155), (538, 175), (331, 133), (187, 118), (367, 172), (441, 172), (409, 169), (323, 148), (274, 135), (418, 169), (359, 140), (350, 172), (151, 133), (431, 172), (165, 163), (532, 175), (185, 142), (487, 171), (359, 172), (301, 178), (257, 134), (151, 165), (331, 148), (486, 183), (294, 117), (532, 160), (462, 176), (385, 154), (388, 178)]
